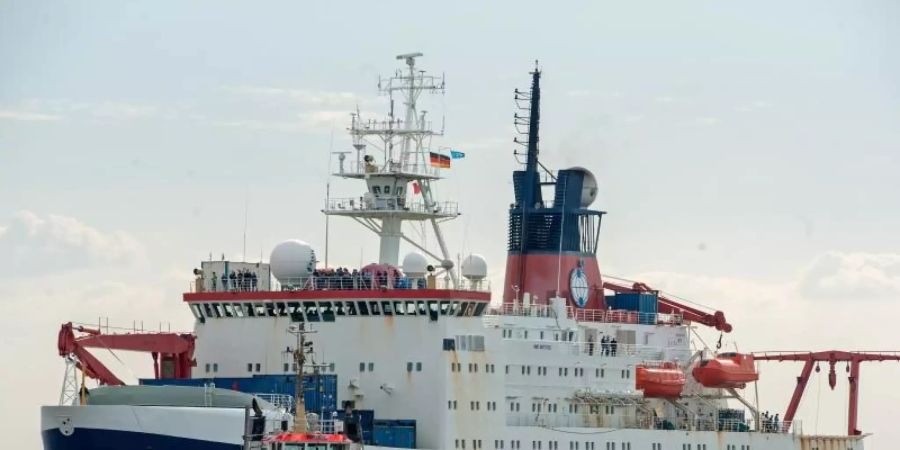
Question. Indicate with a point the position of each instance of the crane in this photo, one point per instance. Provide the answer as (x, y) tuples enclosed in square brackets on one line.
[(832, 357), (174, 351), (666, 305)]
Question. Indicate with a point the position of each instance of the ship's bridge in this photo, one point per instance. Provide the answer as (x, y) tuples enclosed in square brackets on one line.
[(328, 294)]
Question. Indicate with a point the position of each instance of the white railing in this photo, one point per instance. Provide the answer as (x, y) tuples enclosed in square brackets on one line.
[(390, 204), (283, 401), (595, 420), (589, 315), (363, 168), (369, 281)]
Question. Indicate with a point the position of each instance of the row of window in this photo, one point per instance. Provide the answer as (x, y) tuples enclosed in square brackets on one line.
[(327, 311), (257, 367), (730, 447), (473, 367), (564, 371), (557, 335)]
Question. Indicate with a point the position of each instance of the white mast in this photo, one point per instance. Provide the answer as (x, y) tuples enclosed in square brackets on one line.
[(387, 201)]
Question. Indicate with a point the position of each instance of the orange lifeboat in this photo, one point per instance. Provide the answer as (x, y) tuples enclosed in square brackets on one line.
[(727, 370), (662, 381)]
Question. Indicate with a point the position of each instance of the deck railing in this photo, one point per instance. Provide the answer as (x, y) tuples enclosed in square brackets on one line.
[(589, 315), (351, 282), (631, 421), (391, 204)]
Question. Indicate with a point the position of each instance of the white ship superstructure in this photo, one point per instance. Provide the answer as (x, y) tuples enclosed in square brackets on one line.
[(417, 345)]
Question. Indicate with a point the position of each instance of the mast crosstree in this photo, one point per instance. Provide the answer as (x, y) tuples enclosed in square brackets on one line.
[(393, 155)]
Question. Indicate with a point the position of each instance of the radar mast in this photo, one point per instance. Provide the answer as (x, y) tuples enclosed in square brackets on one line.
[(394, 156)]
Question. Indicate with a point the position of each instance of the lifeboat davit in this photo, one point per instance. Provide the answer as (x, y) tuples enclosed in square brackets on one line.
[(727, 370), (662, 381)]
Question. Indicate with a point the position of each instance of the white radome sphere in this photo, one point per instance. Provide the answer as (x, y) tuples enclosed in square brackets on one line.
[(474, 267), (291, 260), (415, 265), (588, 187)]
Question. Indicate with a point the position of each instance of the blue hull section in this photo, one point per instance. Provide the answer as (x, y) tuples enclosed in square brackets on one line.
[(97, 439)]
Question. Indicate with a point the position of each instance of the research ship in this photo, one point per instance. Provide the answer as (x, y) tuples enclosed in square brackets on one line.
[(414, 352)]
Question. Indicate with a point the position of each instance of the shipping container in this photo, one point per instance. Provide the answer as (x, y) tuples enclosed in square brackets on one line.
[(644, 303), (395, 433)]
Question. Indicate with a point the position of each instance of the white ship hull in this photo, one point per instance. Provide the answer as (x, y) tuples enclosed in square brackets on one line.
[(120, 427)]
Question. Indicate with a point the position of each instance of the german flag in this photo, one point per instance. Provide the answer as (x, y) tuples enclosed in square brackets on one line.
[(439, 160)]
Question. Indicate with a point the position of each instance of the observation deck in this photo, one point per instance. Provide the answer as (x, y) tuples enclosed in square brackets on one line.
[(374, 207)]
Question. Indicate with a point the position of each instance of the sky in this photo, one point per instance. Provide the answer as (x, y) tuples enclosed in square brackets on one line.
[(747, 155)]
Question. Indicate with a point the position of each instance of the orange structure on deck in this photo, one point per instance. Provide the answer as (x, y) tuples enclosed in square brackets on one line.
[(663, 381), (727, 370)]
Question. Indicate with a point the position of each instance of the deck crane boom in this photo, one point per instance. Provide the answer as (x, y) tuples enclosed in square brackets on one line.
[(173, 351), (832, 357), (668, 306)]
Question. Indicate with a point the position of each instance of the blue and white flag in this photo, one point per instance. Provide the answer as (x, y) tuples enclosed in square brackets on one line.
[(457, 155)]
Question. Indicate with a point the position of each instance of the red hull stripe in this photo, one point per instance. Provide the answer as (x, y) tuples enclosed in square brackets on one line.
[(417, 294)]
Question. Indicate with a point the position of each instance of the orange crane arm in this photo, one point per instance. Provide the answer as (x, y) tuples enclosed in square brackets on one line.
[(666, 305), (176, 349)]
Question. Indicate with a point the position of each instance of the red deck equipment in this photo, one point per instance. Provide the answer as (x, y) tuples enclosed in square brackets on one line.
[(173, 353), (668, 306), (726, 371), (832, 357), (662, 381)]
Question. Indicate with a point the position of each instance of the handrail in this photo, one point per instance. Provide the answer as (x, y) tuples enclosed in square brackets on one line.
[(589, 315), (354, 282), (587, 419), (392, 203)]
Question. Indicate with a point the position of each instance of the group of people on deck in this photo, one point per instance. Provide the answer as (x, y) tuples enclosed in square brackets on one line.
[(242, 280), (342, 278), (609, 346), (770, 424)]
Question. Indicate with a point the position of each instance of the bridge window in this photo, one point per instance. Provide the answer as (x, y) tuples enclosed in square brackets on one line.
[(196, 310), (351, 308), (374, 309), (295, 311), (312, 312), (260, 309), (327, 311), (282, 309), (444, 307), (363, 309), (237, 309), (387, 309)]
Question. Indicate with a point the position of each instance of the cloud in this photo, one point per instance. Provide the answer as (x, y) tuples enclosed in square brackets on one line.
[(707, 121), (28, 116), (852, 276), (33, 245), (37, 109), (318, 99)]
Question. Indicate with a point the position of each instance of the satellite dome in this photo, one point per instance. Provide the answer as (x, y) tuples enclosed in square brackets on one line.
[(292, 260), (474, 267), (415, 265), (588, 187)]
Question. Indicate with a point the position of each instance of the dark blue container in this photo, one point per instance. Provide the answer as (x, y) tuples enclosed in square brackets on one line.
[(644, 303), (395, 433)]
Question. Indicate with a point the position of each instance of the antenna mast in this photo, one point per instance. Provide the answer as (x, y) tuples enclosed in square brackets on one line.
[(402, 156)]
